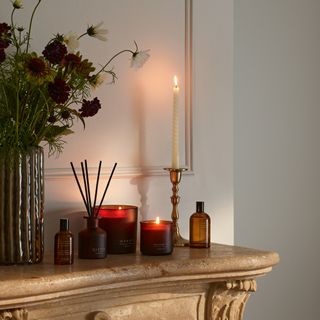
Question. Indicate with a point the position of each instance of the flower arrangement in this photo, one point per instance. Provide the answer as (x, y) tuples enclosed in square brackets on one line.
[(42, 94)]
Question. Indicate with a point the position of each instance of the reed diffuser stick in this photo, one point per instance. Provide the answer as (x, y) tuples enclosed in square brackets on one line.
[(96, 191), (78, 183), (86, 189), (86, 197), (107, 186), (88, 185)]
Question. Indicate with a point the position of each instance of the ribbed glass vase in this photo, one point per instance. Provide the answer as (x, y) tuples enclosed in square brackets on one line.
[(21, 206)]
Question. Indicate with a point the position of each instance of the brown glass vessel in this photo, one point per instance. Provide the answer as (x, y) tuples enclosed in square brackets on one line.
[(92, 241), (200, 225), (63, 244)]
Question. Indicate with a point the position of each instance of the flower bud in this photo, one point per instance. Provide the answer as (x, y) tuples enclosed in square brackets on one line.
[(17, 4)]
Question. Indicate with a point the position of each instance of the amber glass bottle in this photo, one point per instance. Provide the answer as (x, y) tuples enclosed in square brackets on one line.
[(63, 244), (200, 227)]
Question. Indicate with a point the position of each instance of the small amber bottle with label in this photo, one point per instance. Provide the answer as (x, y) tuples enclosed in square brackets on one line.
[(63, 244), (200, 227)]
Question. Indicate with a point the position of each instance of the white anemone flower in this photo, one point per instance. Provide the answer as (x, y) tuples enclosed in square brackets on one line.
[(17, 4), (97, 32), (71, 39), (139, 58)]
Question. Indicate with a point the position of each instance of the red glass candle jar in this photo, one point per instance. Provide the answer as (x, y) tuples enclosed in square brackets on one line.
[(156, 237), (120, 223)]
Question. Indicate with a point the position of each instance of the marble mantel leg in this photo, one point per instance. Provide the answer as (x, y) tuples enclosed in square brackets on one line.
[(227, 300)]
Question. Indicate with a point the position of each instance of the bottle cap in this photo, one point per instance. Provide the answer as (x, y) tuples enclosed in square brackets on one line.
[(64, 224), (200, 206)]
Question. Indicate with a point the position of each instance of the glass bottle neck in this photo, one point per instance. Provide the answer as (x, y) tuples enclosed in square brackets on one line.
[(92, 223), (200, 206)]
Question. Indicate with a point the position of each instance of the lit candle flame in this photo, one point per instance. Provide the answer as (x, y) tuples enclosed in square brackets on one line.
[(157, 220), (120, 208), (175, 79)]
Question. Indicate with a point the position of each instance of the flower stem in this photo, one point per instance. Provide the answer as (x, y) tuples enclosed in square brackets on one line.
[(82, 35), (14, 31), (30, 24), (117, 54), (12, 24)]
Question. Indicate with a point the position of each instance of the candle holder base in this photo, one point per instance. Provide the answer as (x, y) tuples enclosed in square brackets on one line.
[(175, 178), (178, 241)]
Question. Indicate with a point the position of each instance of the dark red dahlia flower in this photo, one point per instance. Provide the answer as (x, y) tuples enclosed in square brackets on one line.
[(72, 60), (4, 28), (90, 108), (4, 43), (36, 67), (59, 91), (55, 52), (2, 55), (4, 38)]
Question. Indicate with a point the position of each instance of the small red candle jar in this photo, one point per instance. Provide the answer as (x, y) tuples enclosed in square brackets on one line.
[(120, 223), (156, 237)]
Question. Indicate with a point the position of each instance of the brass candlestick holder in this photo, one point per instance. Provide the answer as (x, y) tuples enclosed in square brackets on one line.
[(175, 178)]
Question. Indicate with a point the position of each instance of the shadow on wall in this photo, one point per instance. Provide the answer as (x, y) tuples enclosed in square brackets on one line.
[(142, 183)]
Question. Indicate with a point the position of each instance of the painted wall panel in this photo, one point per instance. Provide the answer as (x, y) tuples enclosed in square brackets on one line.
[(134, 127)]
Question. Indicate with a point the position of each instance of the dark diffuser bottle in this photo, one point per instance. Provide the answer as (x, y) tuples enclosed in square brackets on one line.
[(63, 244), (92, 241), (200, 227)]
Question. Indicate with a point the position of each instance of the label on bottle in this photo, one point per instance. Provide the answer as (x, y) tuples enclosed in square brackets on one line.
[(98, 250), (199, 232), (203, 230), (127, 243), (64, 251)]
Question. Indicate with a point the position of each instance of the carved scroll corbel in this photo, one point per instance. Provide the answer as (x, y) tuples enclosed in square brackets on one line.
[(100, 315), (227, 300), (242, 285), (18, 314)]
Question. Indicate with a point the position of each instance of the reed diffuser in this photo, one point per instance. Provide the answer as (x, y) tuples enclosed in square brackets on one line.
[(92, 240)]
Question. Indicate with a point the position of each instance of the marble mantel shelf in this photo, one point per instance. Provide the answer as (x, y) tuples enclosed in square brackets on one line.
[(189, 284)]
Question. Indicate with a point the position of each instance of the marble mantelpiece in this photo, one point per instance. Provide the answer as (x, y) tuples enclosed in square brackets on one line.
[(190, 284)]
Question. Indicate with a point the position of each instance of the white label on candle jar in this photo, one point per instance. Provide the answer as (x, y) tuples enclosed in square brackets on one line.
[(161, 247)]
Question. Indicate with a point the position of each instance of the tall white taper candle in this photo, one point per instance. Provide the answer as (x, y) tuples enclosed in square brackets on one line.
[(175, 125)]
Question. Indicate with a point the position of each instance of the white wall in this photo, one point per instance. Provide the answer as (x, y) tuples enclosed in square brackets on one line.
[(277, 150), (212, 180)]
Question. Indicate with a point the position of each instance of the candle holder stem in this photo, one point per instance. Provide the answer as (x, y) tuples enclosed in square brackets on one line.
[(175, 178)]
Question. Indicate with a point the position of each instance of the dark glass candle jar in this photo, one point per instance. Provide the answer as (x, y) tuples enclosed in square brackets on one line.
[(156, 237), (120, 223), (92, 241)]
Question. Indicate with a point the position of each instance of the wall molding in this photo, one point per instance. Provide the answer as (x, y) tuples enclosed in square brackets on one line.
[(156, 170)]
